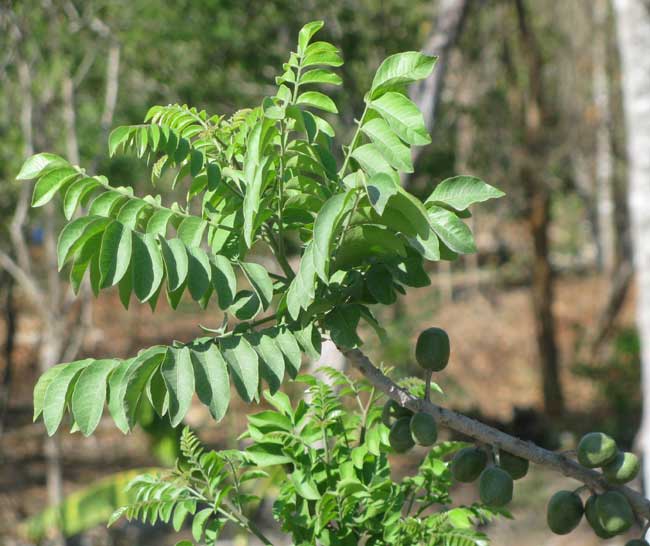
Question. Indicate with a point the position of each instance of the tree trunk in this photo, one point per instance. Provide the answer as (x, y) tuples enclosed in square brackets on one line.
[(538, 199), (605, 203), (11, 319), (426, 94), (633, 25), (543, 297)]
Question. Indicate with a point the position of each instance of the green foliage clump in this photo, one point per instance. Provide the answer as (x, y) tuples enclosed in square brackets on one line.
[(333, 473), (262, 178), (269, 179)]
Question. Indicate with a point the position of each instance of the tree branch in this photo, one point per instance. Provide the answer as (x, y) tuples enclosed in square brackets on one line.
[(22, 279), (486, 434)]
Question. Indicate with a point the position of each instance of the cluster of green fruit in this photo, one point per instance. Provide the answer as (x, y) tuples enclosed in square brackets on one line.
[(432, 353), (407, 429), (496, 482), (609, 514)]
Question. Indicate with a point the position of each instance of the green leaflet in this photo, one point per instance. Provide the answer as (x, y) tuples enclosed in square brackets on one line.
[(157, 393), (367, 243), (459, 192), (39, 163), (243, 363), (199, 271), (310, 340), (131, 211), (260, 281), (271, 359), (380, 188), (75, 235), (306, 34), (224, 281), (115, 253), (320, 75), (255, 168), (178, 373), (191, 230), (211, 377), (118, 136), (137, 378), (85, 254), (403, 117), (290, 349), (318, 100), (372, 161), (451, 230), (391, 147), (325, 228), (303, 287), (50, 183), (380, 284), (157, 224), (342, 324), (90, 394), (116, 391), (105, 204), (147, 266), (58, 393), (176, 262), (76, 193), (399, 70), (125, 287), (412, 209), (41, 387)]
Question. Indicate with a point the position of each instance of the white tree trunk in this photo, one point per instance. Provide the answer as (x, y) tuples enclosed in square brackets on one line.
[(633, 26), (604, 154)]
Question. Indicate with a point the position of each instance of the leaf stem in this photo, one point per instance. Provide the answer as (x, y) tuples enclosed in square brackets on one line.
[(353, 143)]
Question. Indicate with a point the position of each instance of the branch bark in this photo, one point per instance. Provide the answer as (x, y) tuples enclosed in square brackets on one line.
[(488, 435)]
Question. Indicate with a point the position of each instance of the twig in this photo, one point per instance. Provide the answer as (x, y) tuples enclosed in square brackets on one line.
[(484, 433)]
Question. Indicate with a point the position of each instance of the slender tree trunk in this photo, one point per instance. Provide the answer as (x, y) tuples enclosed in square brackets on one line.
[(11, 319), (543, 296), (539, 213), (633, 26), (426, 94), (604, 153)]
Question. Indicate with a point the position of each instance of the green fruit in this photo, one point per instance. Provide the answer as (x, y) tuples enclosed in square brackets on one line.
[(624, 468), (387, 412), (424, 429), (636, 542), (432, 349), (495, 487), (614, 512), (392, 410), (592, 518), (399, 437), (468, 464), (596, 449), (513, 465), (564, 512)]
